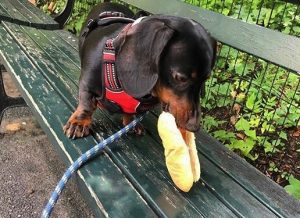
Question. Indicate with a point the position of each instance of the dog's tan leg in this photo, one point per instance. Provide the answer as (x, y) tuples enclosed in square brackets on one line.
[(138, 130)]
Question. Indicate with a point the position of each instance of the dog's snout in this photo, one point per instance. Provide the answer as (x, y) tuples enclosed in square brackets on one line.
[(193, 123)]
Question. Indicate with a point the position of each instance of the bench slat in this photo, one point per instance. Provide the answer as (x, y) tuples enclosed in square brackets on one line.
[(107, 179), (32, 12), (55, 60), (24, 13), (68, 37), (270, 45)]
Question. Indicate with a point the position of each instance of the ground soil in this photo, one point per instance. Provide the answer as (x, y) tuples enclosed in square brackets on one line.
[(30, 168)]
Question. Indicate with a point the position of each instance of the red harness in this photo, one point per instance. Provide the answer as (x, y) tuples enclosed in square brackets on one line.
[(115, 98)]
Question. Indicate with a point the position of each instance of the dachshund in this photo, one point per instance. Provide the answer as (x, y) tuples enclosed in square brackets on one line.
[(128, 66)]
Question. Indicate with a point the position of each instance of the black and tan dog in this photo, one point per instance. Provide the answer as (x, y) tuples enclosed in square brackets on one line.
[(129, 67)]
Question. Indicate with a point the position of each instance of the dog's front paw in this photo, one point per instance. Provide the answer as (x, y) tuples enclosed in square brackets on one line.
[(138, 129), (78, 125)]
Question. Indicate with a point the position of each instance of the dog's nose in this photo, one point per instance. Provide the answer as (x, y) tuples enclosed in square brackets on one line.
[(193, 123)]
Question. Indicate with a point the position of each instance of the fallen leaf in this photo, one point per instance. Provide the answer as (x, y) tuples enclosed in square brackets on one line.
[(13, 127), (52, 6), (32, 2), (233, 94), (296, 133), (233, 120), (237, 108), (240, 136)]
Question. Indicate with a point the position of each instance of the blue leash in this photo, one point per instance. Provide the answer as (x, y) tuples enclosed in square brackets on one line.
[(80, 161)]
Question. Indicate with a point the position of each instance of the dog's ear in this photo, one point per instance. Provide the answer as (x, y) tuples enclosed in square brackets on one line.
[(138, 53)]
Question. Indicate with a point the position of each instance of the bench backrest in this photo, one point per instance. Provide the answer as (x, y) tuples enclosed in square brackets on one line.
[(266, 44)]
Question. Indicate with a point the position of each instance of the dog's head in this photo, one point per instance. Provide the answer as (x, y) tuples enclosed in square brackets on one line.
[(170, 57)]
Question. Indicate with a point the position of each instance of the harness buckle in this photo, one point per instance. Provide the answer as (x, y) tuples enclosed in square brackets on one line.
[(91, 23)]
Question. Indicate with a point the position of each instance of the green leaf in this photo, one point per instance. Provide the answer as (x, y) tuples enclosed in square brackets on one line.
[(277, 142), (251, 134), (267, 127), (254, 122), (245, 146), (296, 29), (223, 135), (283, 135), (251, 157), (223, 89), (242, 125), (209, 122), (251, 101), (239, 68), (294, 187), (271, 102), (268, 147)]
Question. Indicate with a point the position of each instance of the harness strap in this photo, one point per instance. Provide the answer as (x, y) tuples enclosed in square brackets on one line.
[(113, 90), (109, 59), (104, 19)]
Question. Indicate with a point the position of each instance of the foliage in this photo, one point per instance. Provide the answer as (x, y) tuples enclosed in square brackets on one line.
[(262, 93), (51, 6), (273, 14), (294, 187)]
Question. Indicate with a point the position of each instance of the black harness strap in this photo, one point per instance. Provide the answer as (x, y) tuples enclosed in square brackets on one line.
[(104, 19)]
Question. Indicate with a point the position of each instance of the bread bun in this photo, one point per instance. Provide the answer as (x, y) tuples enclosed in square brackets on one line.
[(180, 152)]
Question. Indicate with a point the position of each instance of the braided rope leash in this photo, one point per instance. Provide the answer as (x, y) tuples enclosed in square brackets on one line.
[(80, 161)]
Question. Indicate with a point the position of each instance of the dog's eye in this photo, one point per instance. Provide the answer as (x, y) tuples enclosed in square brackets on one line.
[(180, 77)]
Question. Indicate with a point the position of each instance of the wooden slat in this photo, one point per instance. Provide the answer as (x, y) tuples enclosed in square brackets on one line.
[(100, 178), (56, 59), (69, 38), (296, 2), (23, 13), (32, 12), (278, 48)]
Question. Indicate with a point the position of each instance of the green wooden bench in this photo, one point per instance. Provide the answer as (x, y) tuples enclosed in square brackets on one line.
[(130, 179)]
